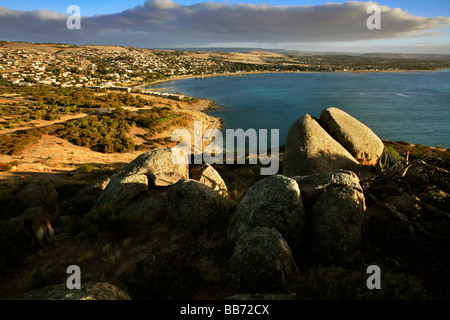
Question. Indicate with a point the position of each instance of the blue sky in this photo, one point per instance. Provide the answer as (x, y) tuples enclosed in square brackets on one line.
[(309, 25)]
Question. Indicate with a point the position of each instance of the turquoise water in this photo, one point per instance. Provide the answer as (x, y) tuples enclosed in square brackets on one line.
[(408, 106)]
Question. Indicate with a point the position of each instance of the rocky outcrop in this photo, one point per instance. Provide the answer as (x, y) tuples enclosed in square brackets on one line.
[(121, 190), (336, 141), (335, 207), (149, 170), (192, 205), (158, 166), (88, 291), (355, 136), (310, 150), (41, 194), (207, 175), (263, 260), (273, 202)]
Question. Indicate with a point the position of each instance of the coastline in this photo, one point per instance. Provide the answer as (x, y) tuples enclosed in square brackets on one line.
[(148, 85), (207, 109)]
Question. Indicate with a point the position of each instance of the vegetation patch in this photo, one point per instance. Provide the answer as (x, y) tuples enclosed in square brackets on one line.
[(105, 134), (8, 166), (15, 143)]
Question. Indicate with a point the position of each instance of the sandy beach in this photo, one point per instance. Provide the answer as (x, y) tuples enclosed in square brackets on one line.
[(237, 74)]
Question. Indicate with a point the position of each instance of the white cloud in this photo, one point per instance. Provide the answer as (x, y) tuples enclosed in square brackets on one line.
[(164, 23)]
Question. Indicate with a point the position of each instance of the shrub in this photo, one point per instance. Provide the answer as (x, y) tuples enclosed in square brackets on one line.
[(8, 166), (86, 168), (13, 144), (391, 151), (105, 134)]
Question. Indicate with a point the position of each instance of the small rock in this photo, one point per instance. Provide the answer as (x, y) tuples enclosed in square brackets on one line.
[(207, 175), (314, 185)]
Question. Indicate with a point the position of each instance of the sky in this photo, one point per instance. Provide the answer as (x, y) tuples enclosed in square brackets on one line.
[(411, 26)]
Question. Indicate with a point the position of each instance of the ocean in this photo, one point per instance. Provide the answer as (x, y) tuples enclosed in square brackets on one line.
[(412, 106)]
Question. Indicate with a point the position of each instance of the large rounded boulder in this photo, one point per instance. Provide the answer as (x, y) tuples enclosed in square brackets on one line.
[(149, 206), (355, 136), (310, 149), (263, 260), (193, 206), (121, 190), (158, 166), (314, 185), (335, 230), (273, 202)]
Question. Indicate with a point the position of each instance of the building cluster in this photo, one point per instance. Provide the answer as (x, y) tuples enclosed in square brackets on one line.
[(116, 67), (99, 68), (175, 96)]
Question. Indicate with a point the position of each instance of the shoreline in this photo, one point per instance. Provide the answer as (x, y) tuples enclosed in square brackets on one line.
[(148, 85), (208, 108)]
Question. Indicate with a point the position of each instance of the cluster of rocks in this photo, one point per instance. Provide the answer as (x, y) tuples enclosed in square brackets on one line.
[(317, 204), (335, 141)]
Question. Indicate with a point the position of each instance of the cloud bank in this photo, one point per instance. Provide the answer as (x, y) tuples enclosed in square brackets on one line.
[(164, 23)]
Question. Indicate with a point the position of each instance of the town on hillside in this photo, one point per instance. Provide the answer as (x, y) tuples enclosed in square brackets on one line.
[(116, 67)]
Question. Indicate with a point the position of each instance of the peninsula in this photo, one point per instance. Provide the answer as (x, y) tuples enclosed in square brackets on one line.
[(78, 133)]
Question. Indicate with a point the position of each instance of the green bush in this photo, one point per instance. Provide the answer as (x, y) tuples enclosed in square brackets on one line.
[(105, 134), (391, 151), (8, 166), (86, 168), (14, 144)]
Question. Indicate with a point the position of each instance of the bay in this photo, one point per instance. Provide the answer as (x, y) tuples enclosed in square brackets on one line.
[(412, 106)]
